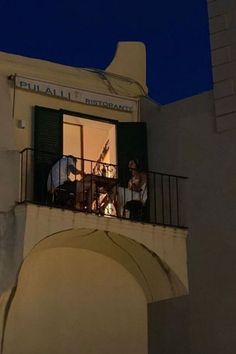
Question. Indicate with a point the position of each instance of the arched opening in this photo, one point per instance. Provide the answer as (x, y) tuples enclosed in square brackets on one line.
[(75, 301), (83, 291)]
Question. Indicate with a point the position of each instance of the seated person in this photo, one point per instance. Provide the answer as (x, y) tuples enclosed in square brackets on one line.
[(60, 178), (134, 197), (138, 178)]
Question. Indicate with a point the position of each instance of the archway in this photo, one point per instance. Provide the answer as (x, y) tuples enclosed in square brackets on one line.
[(73, 300), (85, 291)]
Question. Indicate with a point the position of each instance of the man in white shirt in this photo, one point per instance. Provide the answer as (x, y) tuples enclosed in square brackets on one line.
[(61, 171), (60, 176)]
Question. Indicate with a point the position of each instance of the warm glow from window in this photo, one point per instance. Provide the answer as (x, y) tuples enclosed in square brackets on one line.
[(91, 140)]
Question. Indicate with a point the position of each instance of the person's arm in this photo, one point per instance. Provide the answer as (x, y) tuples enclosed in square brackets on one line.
[(137, 181), (143, 179), (75, 171)]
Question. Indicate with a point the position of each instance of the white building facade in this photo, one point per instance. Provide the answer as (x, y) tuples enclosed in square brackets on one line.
[(73, 280)]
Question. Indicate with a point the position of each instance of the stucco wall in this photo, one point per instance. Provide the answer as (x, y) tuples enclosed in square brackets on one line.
[(18, 104), (12, 229), (9, 179), (183, 140), (7, 141), (222, 23), (17, 110), (75, 301)]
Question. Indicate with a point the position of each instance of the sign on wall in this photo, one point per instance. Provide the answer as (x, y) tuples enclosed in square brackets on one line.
[(76, 95)]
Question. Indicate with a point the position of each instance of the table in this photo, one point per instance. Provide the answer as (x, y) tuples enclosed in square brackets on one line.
[(104, 194)]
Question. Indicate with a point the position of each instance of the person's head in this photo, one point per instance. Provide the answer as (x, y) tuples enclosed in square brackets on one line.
[(133, 164), (71, 158)]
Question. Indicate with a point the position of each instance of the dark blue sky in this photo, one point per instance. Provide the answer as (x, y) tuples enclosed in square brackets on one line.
[(85, 34)]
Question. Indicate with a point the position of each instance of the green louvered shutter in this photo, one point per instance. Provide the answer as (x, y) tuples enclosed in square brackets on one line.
[(131, 144), (48, 145)]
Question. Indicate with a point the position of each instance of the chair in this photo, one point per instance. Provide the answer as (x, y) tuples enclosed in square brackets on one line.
[(133, 204), (64, 198)]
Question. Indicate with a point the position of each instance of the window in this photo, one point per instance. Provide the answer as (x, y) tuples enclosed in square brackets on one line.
[(57, 133), (90, 140)]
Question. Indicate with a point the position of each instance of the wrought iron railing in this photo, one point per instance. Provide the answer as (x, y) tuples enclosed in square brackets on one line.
[(93, 186)]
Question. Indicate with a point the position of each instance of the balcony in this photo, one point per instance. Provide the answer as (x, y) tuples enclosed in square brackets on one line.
[(149, 242), (100, 188)]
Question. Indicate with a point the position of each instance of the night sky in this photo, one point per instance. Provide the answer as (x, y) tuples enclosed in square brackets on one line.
[(85, 34)]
